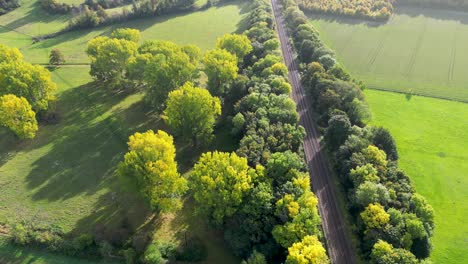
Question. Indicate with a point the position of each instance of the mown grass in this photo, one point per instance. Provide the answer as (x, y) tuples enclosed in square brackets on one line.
[(431, 136), (200, 28), (418, 50)]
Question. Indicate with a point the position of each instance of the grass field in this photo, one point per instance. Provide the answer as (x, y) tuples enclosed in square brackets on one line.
[(421, 50), (200, 28), (431, 136)]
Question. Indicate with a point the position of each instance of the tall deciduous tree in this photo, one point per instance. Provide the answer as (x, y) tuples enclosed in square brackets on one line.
[(307, 251), (17, 115), (192, 112), (220, 181), (374, 216), (221, 69), (129, 34), (150, 166), (110, 58), (56, 57), (32, 82), (165, 66), (238, 45)]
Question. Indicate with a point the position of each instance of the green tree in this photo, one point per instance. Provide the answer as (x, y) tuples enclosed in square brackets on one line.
[(337, 131), (374, 216), (221, 69), (191, 112), (220, 181), (307, 251), (16, 114), (150, 166), (165, 66), (56, 57), (129, 34), (255, 258), (280, 164), (238, 45), (370, 192), (365, 173), (110, 58), (384, 253)]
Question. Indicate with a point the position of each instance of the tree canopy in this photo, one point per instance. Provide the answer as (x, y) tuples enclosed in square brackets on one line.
[(308, 251), (16, 114), (220, 181), (150, 166), (235, 44), (221, 69), (191, 112)]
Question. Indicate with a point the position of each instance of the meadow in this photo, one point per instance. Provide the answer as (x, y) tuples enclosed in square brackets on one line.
[(200, 28), (419, 51), (431, 136), (66, 175)]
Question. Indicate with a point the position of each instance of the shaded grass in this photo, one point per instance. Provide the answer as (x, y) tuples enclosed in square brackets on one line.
[(418, 50), (431, 136), (14, 255)]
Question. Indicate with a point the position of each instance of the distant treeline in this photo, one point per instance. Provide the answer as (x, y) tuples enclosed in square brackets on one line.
[(55, 7), (8, 5), (450, 4), (368, 9), (372, 9)]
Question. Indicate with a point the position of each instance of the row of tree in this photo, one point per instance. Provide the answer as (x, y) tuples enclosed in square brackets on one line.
[(25, 90), (276, 218), (451, 4), (8, 5), (94, 15), (394, 222), (368, 9)]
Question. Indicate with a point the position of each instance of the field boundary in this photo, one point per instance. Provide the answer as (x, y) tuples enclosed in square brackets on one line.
[(374, 87)]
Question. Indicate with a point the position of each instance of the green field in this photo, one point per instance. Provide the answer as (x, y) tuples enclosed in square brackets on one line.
[(200, 28), (419, 50), (431, 136), (66, 175)]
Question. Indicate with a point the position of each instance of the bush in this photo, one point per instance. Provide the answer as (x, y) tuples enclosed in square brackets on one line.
[(152, 255), (194, 250), (20, 234)]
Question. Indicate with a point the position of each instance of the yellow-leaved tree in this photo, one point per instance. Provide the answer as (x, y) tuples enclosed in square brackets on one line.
[(307, 251), (374, 216), (151, 168), (17, 115), (220, 181)]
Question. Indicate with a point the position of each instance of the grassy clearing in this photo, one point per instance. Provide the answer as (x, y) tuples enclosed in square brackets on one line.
[(431, 136), (418, 49), (200, 28)]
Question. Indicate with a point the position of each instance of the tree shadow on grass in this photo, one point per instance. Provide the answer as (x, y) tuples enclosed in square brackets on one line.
[(436, 13), (86, 145), (35, 14)]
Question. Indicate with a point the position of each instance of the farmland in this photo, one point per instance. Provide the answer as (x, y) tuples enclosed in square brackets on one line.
[(66, 175), (199, 28), (428, 58), (431, 139)]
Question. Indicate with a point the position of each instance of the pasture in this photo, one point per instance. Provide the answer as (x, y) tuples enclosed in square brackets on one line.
[(66, 175), (422, 51), (200, 28), (431, 136)]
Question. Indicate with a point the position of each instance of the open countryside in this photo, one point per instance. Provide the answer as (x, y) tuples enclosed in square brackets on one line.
[(233, 131), (419, 50)]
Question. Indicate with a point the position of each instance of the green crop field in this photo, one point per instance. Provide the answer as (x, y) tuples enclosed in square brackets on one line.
[(419, 50), (200, 28), (66, 175), (431, 136)]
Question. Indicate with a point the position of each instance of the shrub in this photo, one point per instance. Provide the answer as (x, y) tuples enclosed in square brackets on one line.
[(152, 255), (193, 250)]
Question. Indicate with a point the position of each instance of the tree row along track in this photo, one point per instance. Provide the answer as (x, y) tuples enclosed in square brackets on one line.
[(339, 246)]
